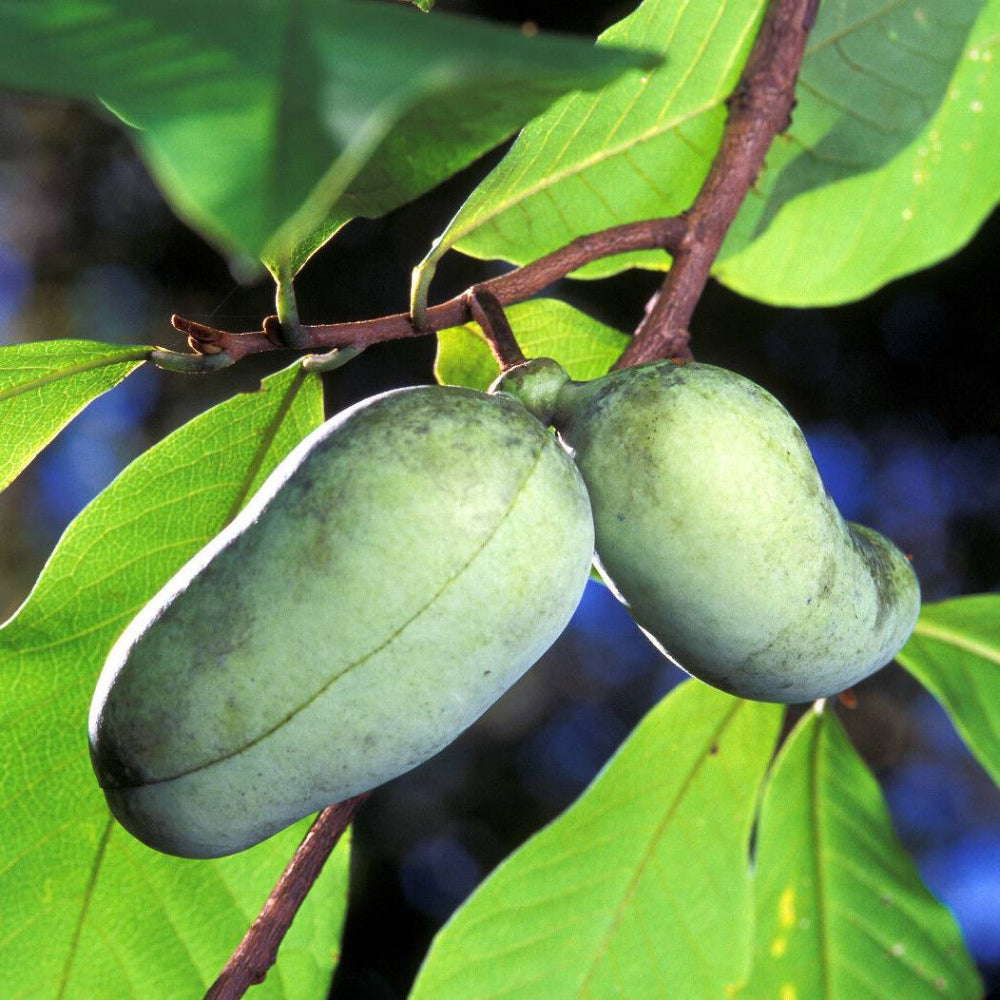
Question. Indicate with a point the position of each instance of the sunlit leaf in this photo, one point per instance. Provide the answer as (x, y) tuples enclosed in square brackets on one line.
[(44, 385), (902, 215), (841, 911), (637, 149), (955, 654), (641, 889), (544, 328), (87, 910), (270, 124), (877, 79)]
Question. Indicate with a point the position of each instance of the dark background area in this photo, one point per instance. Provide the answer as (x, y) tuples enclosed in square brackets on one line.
[(896, 394)]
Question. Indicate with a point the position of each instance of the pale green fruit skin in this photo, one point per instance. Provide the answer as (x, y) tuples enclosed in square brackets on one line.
[(391, 579), (714, 527)]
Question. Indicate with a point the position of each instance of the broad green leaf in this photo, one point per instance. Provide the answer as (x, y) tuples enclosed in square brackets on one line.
[(831, 244), (841, 911), (87, 910), (637, 149), (43, 386), (641, 889), (873, 78), (955, 654), (544, 328), (269, 124)]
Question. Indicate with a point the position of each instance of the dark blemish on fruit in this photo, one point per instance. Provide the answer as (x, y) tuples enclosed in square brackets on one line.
[(872, 550), (828, 576)]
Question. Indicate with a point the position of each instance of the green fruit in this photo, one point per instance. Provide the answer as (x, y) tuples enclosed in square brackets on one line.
[(713, 526), (391, 579)]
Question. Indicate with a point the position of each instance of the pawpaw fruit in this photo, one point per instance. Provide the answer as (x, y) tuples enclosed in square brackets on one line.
[(712, 524), (399, 570)]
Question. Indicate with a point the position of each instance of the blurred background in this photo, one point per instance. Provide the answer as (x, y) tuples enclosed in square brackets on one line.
[(897, 396)]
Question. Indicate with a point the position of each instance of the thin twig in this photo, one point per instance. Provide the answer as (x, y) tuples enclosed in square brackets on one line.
[(515, 286), (258, 950), (759, 109)]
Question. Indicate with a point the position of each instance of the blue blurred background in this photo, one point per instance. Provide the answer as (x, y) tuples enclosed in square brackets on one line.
[(897, 397)]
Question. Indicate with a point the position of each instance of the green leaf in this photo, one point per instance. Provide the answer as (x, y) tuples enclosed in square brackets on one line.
[(544, 328), (270, 124), (43, 386), (88, 911), (876, 77), (955, 654), (840, 909), (641, 888), (904, 213), (637, 149)]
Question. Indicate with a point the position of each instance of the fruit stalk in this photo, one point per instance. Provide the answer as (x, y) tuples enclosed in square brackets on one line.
[(488, 313)]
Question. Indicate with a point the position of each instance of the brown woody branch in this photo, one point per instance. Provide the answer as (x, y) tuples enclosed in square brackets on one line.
[(515, 286), (759, 109), (258, 950)]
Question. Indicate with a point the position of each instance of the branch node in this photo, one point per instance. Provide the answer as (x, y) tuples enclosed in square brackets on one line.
[(201, 339), (272, 330)]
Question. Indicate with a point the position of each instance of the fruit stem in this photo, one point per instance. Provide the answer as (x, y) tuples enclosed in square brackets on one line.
[(487, 311)]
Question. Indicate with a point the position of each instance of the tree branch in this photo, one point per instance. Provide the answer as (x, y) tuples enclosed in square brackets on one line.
[(515, 286), (759, 109), (258, 950)]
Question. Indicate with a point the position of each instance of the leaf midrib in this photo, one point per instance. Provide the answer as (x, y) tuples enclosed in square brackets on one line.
[(88, 895), (581, 166), (822, 929), (959, 640), (78, 369), (654, 841), (267, 439)]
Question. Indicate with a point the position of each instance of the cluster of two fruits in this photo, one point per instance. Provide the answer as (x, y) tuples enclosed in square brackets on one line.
[(416, 554)]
